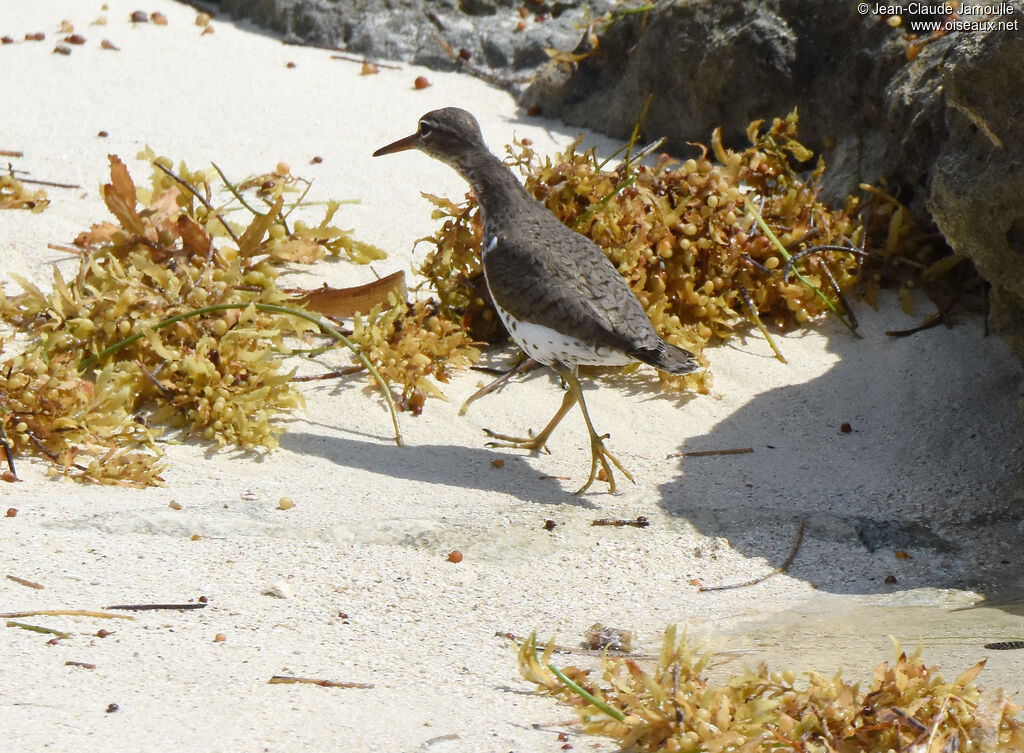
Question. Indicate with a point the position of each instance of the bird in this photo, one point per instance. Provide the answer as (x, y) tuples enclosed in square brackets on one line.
[(560, 298)]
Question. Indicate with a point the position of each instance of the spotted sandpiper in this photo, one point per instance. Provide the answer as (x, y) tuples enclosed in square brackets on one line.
[(558, 295)]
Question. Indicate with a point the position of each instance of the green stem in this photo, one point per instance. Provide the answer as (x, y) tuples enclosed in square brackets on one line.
[(592, 700), (627, 177), (599, 167), (298, 201), (635, 135), (785, 255), (37, 629), (752, 310), (325, 328), (628, 180), (234, 191)]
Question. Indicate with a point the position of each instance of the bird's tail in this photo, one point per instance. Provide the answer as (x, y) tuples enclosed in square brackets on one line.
[(667, 357)]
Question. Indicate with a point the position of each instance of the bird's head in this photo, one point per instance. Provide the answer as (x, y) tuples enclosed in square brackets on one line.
[(450, 135)]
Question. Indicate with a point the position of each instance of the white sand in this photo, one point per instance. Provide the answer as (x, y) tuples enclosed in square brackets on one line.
[(934, 449)]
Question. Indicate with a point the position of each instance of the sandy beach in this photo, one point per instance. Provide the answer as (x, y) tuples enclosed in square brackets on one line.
[(353, 584)]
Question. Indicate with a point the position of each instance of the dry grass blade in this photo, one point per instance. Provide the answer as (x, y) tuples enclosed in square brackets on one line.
[(37, 629), (287, 680), (66, 613), (25, 582)]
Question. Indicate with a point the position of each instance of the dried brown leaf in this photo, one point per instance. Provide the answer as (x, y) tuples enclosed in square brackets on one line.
[(119, 196), (97, 235), (194, 240), (967, 676), (346, 302)]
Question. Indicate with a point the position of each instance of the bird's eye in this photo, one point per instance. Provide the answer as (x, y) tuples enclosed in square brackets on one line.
[(425, 128)]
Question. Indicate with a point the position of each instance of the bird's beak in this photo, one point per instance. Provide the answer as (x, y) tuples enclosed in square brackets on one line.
[(409, 142)]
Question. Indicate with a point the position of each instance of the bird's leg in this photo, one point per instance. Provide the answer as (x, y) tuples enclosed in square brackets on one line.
[(537, 442), (598, 453), (523, 363)]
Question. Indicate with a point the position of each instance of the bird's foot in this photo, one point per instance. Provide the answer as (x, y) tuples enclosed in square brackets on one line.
[(599, 454), (531, 443)]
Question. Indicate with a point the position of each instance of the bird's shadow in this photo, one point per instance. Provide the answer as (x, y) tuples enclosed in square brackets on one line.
[(440, 464)]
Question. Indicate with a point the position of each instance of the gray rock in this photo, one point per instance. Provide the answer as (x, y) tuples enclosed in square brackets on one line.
[(410, 30), (977, 183), (711, 63)]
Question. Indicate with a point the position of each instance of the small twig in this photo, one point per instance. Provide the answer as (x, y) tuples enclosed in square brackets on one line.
[(355, 59), (780, 569), (758, 266), (8, 455), (8, 153), (341, 55), (65, 613), (154, 607), (65, 249), (347, 371), (640, 522), (41, 447), (939, 317), (168, 395), (284, 680), (707, 453), (812, 232), (22, 581), (839, 293), (566, 723), (82, 664), (439, 739), (48, 183), (38, 629), (205, 202), (797, 255), (50, 453), (432, 17)]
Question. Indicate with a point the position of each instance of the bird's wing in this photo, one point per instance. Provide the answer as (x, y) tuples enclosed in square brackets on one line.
[(582, 289)]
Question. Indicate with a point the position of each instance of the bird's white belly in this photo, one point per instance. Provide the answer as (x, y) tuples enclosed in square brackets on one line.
[(549, 346)]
